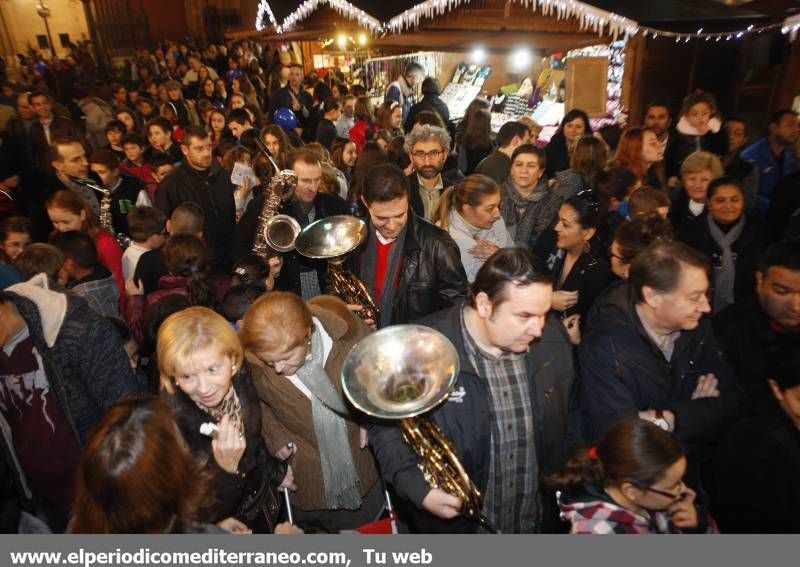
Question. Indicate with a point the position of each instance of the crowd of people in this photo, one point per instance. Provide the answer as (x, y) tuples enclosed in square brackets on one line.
[(624, 304)]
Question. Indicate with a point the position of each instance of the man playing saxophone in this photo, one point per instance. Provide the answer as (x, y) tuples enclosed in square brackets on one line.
[(410, 267), (512, 414), (299, 274)]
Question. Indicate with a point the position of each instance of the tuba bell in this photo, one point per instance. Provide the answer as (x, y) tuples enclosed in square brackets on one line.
[(332, 238), (400, 373)]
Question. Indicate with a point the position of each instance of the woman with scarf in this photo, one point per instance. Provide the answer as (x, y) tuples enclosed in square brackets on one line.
[(215, 405), (296, 368), (631, 482), (732, 239), (470, 212), (186, 113)]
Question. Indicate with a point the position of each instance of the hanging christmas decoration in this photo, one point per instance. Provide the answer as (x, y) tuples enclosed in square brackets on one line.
[(589, 17), (599, 21), (308, 7)]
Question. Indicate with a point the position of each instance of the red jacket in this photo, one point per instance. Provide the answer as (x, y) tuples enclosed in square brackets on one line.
[(144, 174), (109, 254), (360, 133)]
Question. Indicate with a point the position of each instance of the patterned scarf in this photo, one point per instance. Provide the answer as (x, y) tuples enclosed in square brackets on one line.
[(230, 406)]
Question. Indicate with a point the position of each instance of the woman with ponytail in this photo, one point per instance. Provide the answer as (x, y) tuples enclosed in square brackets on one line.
[(631, 482), (470, 212), (186, 260)]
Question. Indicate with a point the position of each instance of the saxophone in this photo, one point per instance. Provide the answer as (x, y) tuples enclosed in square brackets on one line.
[(106, 220), (274, 232)]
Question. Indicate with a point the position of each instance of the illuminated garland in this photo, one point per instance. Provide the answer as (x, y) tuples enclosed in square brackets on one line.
[(600, 21), (308, 7), (589, 16), (263, 7)]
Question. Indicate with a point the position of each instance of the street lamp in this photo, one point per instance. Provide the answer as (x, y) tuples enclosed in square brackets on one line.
[(44, 12)]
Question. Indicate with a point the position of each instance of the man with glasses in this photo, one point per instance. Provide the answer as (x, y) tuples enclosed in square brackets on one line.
[(650, 352), (427, 146)]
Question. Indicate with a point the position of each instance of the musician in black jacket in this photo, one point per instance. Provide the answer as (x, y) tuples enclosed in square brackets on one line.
[(299, 274), (411, 267), (512, 414)]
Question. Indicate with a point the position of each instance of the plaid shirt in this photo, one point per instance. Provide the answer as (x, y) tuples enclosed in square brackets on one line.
[(511, 497)]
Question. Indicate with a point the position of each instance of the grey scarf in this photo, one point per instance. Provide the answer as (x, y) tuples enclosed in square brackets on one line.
[(327, 408), (725, 275), (368, 270)]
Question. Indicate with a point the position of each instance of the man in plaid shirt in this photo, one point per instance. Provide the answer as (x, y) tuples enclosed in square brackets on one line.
[(512, 413)]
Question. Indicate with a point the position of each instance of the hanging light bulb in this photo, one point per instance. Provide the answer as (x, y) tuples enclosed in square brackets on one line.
[(341, 41)]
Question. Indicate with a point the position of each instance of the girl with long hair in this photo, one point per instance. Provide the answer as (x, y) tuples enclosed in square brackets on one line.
[(476, 143), (68, 211), (574, 126), (364, 128), (640, 152), (122, 483)]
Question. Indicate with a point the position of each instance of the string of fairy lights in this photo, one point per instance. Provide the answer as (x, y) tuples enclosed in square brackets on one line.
[(589, 17)]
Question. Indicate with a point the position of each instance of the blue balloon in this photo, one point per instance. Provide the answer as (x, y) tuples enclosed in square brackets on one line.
[(285, 118)]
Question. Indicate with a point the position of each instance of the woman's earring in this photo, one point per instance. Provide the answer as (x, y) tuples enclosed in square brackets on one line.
[(233, 368), (586, 247)]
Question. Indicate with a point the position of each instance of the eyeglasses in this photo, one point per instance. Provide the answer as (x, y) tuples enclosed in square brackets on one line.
[(612, 255), (664, 493), (433, 154)]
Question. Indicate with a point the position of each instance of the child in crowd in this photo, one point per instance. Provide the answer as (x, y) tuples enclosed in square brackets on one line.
[(631, 482), (251, 269), (161, 165), (134, 164), (238, 300), (40, 258), (115, 132), (15, 235), (68, 211), (699, 128), (648, 200), (159, 134), (84, 276), (126, 191), (146, 227)]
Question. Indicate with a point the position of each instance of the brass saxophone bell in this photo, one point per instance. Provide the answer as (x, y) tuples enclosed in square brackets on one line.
[(280, 232)]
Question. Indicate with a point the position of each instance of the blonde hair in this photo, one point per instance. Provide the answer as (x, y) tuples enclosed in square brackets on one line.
[(260, 330), (188, 331), (702, 161)]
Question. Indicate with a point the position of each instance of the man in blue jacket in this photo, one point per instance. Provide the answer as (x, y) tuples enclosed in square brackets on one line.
[(512, 414), (774, 155), (650, 352)]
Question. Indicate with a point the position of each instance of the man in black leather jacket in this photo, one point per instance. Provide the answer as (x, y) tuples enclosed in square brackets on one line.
[(513, 412), (410, 267)]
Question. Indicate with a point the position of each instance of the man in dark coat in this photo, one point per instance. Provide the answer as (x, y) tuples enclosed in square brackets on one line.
[(512, 414), (63, 366), (649, 352), (745, 330), (293, 97), (431, 102), (410, 267), (757, 469), (201, 180), (300, 275)]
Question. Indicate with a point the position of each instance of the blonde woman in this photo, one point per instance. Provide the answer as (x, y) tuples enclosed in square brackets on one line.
[(203, 379)]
